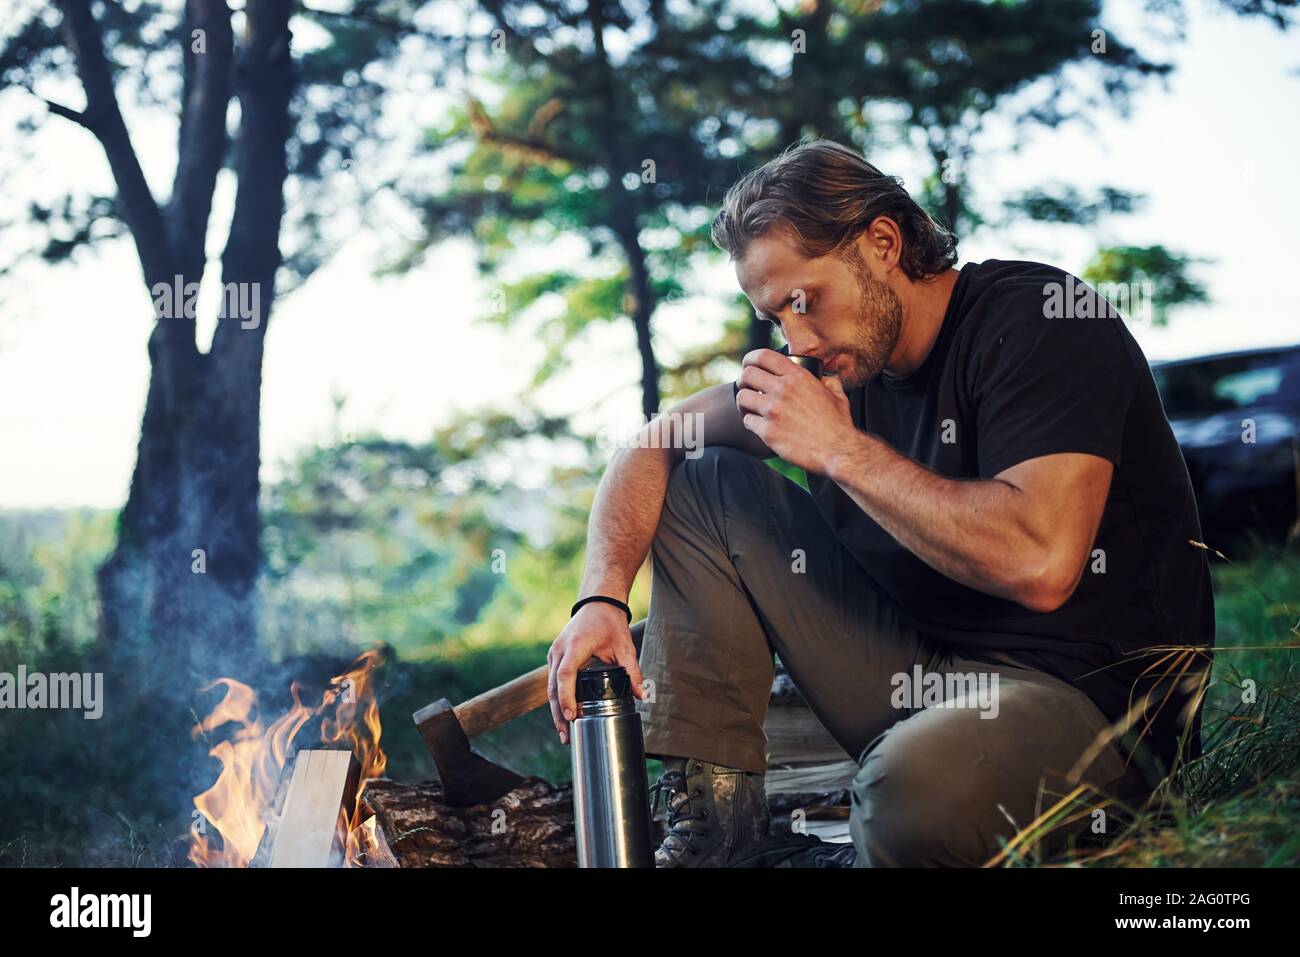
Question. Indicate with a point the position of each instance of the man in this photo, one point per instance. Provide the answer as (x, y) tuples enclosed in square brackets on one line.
[(990, 593)]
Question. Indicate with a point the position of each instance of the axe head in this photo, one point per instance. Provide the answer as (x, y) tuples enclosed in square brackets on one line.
[(467, 777)]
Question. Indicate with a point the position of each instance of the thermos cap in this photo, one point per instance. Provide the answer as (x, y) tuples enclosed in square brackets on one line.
[(603, 683)]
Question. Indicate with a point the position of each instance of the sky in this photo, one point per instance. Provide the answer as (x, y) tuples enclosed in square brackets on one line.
[(1214, 152)]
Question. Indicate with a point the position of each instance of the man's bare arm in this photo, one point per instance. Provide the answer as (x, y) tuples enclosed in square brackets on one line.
[(1025, 534), (622, 525), (631, 493)]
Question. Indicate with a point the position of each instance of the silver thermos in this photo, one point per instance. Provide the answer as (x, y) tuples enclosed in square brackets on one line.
[(611, 804)]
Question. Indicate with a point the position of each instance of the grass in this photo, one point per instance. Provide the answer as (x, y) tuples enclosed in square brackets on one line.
[(1238, 804)]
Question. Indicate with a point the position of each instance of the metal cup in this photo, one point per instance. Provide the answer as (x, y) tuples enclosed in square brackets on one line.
[(812, 364)]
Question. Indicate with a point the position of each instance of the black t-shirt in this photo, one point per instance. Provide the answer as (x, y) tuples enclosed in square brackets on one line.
[(1009, 379)]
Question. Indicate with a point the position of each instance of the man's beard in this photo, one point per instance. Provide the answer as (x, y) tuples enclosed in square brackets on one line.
[(880, 319)]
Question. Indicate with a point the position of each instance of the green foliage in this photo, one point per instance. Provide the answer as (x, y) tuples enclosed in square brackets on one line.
[(78, 803), (1167, 272), (1068, 205), (349, 62), (382, 542), (47, 580), (792, 472), (620, 154), (932, 74), (629, 155)]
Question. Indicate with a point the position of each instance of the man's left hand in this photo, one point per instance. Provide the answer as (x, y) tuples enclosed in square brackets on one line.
[(799, 416)]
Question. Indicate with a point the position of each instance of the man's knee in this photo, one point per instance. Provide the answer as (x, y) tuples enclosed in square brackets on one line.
[(914, 807), (898, 810), (710, 464), (697, 485)]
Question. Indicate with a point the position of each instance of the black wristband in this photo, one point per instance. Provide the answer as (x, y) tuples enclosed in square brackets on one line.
[(605, 598)]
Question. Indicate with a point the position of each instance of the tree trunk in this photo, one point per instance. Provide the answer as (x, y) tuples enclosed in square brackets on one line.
[(643, 307), (623, 217), (178, 591), (810, 99), (950, 205)]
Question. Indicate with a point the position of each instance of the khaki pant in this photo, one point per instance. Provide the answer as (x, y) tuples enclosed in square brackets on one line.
[(744, 565)]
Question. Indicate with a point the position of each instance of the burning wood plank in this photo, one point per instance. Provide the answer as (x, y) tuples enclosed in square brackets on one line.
[(319, 802), (239, 814)]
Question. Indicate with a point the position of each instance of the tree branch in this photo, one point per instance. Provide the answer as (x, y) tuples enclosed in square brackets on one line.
[(68, 113), (525, 147), (58, 109), (201, 148), (252, 255), (398, 28), (103, 117)]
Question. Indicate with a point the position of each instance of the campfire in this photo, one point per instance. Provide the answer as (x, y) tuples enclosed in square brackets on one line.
[(250, 807)]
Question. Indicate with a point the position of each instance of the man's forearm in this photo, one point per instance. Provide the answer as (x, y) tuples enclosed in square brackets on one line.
[(970, 530), (624, 518)]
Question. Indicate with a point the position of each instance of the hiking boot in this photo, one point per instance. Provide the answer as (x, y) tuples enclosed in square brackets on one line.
[(795, 850), (713, 812)]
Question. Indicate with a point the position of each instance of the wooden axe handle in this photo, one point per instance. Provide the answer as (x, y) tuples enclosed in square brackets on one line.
[(494, 708)]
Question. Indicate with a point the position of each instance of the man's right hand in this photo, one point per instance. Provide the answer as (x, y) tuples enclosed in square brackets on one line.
[(598, 629)]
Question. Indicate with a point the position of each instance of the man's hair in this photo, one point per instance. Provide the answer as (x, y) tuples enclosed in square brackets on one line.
[(823, 194)]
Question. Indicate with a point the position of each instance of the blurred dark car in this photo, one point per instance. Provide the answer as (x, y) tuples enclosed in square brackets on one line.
[(1246, 490)]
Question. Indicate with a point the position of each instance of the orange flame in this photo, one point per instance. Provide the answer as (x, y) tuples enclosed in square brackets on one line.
[(241, 803)]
